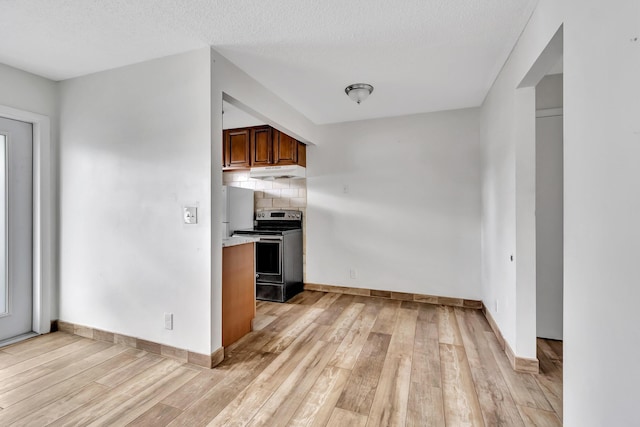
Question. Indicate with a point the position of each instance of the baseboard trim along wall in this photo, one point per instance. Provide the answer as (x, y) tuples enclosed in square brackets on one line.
[(204, 360), (401, 296), (519, 364)]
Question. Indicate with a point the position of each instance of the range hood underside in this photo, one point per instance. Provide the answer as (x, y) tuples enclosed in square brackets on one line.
[(273, 172)]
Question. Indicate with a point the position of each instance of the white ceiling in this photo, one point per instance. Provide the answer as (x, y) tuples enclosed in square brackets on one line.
[(420, 55)]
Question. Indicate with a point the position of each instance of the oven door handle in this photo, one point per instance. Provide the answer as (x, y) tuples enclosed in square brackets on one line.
[(271, 239)]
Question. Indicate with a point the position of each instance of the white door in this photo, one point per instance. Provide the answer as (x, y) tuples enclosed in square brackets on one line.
[(16, 228)]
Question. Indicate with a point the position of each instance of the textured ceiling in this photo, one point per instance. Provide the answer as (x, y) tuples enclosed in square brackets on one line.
[(420, 55)]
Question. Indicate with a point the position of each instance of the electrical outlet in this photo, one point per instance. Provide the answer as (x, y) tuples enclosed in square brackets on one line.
[(168, 321), (496, 306), (345, 188), (353, 273), (190, 214)]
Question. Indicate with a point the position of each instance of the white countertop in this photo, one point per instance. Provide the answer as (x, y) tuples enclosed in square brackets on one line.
[(238, 240)]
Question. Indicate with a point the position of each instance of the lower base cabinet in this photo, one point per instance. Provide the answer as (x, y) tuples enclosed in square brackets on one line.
[(238, 292)]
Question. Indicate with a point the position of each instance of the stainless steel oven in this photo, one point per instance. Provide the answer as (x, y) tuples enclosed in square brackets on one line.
[(269, 251), (278, 254)]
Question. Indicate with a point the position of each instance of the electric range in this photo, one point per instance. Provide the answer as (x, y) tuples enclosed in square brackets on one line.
[(278, 254)]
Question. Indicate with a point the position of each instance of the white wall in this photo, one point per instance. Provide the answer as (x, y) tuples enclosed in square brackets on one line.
[(602, 201), (136, 148), (549, 92), (28, 92), (410, 221), (601, 232), (508, 141), (143, 139), (234, 118), (549, 246)]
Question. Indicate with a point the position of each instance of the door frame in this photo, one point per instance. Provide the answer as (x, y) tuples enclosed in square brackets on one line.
[(42, 215), (525, 193)]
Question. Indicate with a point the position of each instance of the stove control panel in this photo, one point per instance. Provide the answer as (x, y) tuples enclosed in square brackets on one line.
[(286, 215)]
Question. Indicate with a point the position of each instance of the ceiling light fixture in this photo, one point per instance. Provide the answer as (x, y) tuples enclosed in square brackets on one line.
[(359, 91)]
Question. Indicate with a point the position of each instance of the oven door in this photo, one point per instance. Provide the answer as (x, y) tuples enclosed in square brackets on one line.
[(269, 259)]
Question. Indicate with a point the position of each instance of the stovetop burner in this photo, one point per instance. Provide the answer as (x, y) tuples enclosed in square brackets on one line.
[(275, 222), (263, 232)]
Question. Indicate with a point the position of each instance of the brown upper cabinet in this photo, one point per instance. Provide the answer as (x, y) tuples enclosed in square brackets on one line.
[(302, 154), (236, 149), (285, 149), (261, 146)]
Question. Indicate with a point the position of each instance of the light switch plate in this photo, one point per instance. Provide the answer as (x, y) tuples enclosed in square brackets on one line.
[(190, 214)]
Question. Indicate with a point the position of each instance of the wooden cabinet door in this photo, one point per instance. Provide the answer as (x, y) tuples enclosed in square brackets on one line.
[(261, 147), (285, 149), (238, 292), (236, 149), (302, 154)]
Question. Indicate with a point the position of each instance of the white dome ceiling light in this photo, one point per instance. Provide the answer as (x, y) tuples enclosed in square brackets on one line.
[(359, 91)]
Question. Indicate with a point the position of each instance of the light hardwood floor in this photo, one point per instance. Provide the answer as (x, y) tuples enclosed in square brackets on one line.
[(322, 359)]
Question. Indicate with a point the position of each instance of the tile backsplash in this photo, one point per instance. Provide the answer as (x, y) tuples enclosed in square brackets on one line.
[(282, 193), (277, 194)]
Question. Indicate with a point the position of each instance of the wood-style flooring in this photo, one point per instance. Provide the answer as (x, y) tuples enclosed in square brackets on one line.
[(321, 359)]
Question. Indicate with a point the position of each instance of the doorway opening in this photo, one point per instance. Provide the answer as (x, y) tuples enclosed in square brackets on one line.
[(549, 227), (539, 210), (549, 207), (264, 177)]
